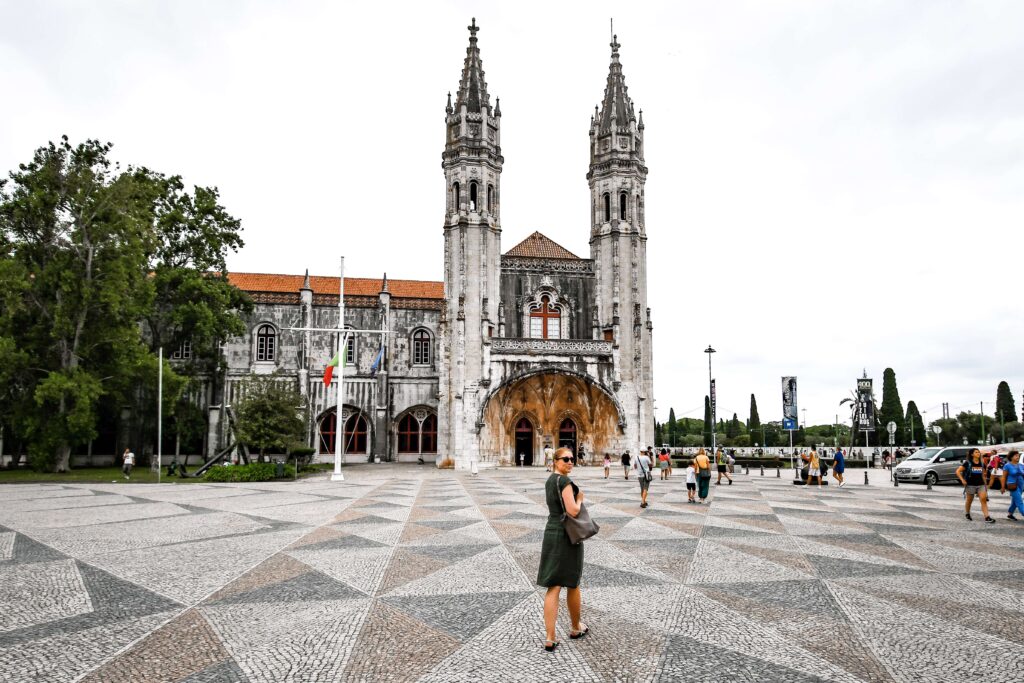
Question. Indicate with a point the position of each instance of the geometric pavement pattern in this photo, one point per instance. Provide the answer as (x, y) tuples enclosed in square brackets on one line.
[(406, 573)]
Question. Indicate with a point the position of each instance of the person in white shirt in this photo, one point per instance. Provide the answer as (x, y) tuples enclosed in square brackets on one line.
[(691, 482), (644, 475), (127, 460)]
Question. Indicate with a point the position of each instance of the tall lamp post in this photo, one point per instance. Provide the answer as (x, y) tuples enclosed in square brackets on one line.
[(711, 398)]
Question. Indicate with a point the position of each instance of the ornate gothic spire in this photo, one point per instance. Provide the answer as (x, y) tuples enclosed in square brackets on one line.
[(616, 111), (473, 86)]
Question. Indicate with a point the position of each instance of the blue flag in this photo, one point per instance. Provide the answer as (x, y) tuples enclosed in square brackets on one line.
[(376, 362)]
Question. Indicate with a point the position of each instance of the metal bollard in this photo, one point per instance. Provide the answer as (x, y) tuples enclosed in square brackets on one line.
[(895, 479), (762, 470), (778, 472), (865, 477), (929, 482)]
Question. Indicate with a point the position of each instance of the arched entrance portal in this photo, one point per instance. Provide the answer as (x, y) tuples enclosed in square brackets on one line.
[(524, 441), (567, 435), (550, 407), (356, 433)]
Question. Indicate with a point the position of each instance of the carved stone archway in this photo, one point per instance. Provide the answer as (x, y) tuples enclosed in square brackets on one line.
[(550, 397)]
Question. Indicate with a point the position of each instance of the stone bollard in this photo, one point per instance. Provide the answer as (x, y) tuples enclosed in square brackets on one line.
[(929, 482), (865, 477), (762, 470)]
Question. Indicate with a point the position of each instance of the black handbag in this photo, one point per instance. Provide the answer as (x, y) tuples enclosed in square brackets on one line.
[(578, 528)]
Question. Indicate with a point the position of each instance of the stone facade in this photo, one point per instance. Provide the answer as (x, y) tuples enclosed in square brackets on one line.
[(512, 352)]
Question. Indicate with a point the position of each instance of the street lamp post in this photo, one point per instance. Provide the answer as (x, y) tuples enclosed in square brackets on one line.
[(711, 397)]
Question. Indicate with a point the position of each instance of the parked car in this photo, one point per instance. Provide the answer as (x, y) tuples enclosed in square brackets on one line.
[(933, 465)]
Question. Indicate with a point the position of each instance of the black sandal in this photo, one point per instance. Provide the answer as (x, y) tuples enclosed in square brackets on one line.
[(579, 634), (552, 646)]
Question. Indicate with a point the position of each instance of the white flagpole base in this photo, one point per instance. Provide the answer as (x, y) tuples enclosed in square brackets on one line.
[(337, 476)]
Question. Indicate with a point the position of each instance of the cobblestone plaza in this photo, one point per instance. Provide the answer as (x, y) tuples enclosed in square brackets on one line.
[(406, 573)]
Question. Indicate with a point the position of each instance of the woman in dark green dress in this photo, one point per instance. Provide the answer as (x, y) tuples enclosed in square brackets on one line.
[(561, 562)]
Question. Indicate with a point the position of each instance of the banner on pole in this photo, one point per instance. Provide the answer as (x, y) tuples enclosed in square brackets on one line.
[(714, 407), (865, 405), (789, 409)]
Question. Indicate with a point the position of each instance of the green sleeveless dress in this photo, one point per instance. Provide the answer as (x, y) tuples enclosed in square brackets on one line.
[(561, 562)]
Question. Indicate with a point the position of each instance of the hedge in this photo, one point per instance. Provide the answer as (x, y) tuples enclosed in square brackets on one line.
[(257, 471)]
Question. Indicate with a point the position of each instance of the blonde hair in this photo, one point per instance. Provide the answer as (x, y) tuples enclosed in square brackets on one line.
[(563, 450)]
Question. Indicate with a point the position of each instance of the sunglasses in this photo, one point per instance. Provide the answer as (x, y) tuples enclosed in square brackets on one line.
[(565, 459)]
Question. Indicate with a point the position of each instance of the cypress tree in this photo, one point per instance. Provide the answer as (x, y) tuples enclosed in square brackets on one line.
[(670, 426), (754, 425), (732, 429), (1005, 404), (707, 421), (916, 428), (891, 410)]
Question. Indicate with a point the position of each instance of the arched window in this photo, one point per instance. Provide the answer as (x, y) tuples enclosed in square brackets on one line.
[(607, 207), (350, 349), (355, 434), (545, 320), (417, 437), (472, 197), (428, 431), (622, 206), (421, 347), (409, 435), (455, 196), (490, 198), (328, 430), (266, 343)]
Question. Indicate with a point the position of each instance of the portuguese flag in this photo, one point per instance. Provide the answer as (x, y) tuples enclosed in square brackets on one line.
[(329, 372)]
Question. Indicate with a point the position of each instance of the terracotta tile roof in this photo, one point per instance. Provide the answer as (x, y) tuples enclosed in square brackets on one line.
[(320, 284), (539, 246)]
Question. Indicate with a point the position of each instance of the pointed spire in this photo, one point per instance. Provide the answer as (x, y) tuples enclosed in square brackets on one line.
[(473, 87), (305, 281), (384, 283), (448, 109), (617, 109), (497, 106)]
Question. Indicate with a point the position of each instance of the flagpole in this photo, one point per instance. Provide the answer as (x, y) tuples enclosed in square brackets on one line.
[(160, 416), (339, 423)]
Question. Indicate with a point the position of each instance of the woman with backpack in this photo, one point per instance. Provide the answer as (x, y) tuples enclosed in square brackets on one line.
[(722, 460), (814, 468), (1013, 479)]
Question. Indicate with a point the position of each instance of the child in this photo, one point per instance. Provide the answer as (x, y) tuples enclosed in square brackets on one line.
[(691, 482), (607, 464)]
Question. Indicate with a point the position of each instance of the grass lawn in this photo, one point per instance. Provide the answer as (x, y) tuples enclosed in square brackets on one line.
[(107, 475)]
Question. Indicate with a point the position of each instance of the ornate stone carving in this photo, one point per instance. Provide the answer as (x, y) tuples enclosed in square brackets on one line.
[(553, 265), (590, 347)]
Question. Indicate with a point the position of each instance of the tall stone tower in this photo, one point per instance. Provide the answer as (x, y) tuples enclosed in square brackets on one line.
[(472, 251), (618, 246)]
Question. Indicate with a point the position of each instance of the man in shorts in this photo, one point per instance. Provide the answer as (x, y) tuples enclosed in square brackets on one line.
[(625, 464), (127, 461), (973, 474)]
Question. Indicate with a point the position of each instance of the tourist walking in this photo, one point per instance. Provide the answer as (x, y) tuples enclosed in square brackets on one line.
[(644, 475), (1013, 479), (703, 464), (973, 474), (839, 466), (127, 462), (548, 465), (626, 463), (814, 468), (561, 562), (664, 464), (607, 465), (691, 482), (722, 461)]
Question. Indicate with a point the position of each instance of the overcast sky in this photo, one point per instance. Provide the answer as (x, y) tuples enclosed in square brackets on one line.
[(834, 186)]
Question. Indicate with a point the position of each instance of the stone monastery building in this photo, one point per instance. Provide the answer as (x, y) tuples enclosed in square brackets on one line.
[(513, 351)]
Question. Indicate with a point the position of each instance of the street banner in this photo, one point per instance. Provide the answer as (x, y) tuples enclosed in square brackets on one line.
[(865, 405), (789, 409), (714, 406)]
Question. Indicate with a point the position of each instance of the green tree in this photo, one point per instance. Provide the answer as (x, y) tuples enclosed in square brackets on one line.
[(671, 427), (1006, 409), (708, 427), (915, 427), (754, 423), (90, 251), (732, 428), (271, 415), (891, 410)]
